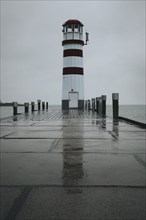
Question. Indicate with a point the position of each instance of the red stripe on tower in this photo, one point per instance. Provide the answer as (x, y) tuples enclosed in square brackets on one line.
[(64, 42), (73, 70), (72, 52)]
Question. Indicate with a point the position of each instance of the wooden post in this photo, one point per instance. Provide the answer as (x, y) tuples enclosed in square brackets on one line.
[(115, 98), (100, 106), (97, 105), (39, 104), (26, 107), (14, 108), (32, 106), (85, 104), (93, 104), (43, 106), (103, 97), (47, 105), (88, 104)]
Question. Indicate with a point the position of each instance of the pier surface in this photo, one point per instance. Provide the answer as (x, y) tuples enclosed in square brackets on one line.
[(72, 165)]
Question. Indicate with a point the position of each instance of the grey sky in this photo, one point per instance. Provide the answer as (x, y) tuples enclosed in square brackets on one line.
[(32, 57)]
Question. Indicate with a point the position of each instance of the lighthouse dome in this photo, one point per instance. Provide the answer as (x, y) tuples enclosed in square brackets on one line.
[(73, 21)]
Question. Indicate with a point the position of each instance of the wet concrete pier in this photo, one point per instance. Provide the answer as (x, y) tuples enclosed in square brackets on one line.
[(72, 165)]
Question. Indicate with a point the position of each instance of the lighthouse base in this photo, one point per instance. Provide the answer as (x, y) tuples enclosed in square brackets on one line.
[(65, 105), (81, 104)]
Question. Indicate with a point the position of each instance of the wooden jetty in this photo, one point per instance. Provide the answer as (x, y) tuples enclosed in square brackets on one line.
[(71, 165)]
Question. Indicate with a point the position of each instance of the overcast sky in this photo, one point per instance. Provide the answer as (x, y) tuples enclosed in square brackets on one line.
[(32, 52)]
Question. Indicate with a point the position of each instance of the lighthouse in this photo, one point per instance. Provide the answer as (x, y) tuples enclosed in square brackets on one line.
[(73, 71)]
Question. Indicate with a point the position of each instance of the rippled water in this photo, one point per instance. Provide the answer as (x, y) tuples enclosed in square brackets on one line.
[(135, 112)]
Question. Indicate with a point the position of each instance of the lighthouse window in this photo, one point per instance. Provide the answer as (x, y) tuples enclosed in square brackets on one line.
[(76, 28), (64, 29), (69, 28)]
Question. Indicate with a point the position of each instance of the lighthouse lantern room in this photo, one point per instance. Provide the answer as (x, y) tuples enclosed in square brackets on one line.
[(73, 72)]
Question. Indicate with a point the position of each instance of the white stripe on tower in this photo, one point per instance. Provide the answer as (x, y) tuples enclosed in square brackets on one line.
[(72, 62), (73, 46)]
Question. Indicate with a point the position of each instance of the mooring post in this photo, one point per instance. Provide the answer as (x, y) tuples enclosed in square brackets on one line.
[(97, 105), (39, 104), (85, 104), (26, 107), (100, 106), (88, 104), (47, 105), (93, 104), (115, 98), (43, 106), (14, 108), (32, 106), (103, 97)]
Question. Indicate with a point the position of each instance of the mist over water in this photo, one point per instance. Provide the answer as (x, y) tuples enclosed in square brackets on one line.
[(135, 112)]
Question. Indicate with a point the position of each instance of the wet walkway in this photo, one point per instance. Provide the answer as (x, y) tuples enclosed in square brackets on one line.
[(72, 165)]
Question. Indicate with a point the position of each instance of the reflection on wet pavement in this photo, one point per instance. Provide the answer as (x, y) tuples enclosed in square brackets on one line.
[(115, 128), (72, 171)]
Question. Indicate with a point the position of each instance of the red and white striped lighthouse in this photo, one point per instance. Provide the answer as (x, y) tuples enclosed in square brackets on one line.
[(73, 72)]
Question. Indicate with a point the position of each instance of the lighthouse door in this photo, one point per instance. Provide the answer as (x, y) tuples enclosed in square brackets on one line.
[(73, 99)]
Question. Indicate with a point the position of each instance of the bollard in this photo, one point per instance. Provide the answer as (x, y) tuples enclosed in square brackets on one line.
[(115, 98), (103, 97), (43, 106), (97, 105), (100, 106), (26, 107), (88, 104), (32, 106), (14, 108), (93, 104), (39, 104), (47, 105)]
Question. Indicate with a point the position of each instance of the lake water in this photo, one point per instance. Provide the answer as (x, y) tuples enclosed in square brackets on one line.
[(135, 112)]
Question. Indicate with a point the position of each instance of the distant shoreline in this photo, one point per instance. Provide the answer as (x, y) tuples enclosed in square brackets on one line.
[(9, 104)]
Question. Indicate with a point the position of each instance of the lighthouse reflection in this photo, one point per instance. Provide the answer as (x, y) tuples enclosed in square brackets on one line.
[(72, 171)]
